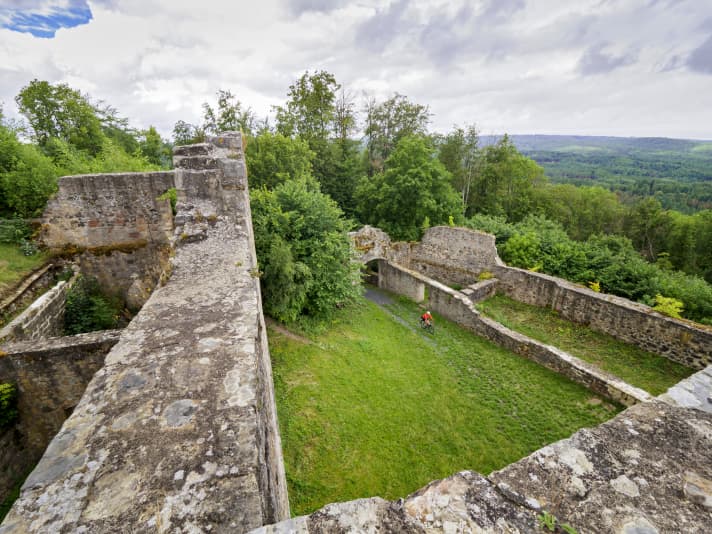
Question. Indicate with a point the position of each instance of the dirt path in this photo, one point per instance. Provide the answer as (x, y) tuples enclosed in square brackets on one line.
[(279, 328)]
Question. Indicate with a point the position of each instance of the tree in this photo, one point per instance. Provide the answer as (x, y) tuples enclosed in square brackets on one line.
[(185, 133), (316, 114), (460, 154), (60, 112), (389, 122), (505, 185), (310, 108), (647, 223), (414, 185), (273, 159), (153, 148), (228, 116), (303, 251)]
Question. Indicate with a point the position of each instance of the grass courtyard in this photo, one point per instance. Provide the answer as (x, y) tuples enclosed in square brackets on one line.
[(14, 265), (653, 373), (375, 406)]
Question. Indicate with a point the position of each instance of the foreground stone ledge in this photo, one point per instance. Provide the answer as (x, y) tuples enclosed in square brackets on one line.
[(648, 470), (177, 431)]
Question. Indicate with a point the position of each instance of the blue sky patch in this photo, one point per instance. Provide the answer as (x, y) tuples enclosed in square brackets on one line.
[(45, 21)]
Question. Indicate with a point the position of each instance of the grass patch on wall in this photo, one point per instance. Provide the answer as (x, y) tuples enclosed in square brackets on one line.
[(373, 406), (653, 373), (14, 265)]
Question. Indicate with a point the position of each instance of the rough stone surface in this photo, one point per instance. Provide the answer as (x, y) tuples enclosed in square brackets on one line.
[(43, 318), (177, 432), (632, 468), (693, 392), (118, 227), (27, 291), (647, 470), (50, 377)]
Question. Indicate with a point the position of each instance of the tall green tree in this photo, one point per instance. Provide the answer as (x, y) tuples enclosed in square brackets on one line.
[(390, 121), (413, 191), (506, 183), (459, 152), (60, 112), (229, 115), (325, 118), (303, 251), (273, 159)]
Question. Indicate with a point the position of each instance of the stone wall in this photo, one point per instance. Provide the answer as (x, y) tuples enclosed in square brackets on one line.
[(458, 256), (117, 225), (397, 280), (42, 319), (457, 307), (453, 255), (27, 291), (50, 376), (178, 431), (682, 341)]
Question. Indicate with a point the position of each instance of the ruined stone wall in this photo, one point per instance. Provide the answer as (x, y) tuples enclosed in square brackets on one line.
[(27, 291), (458, 256), (682, 341), (397, 280), (452, 255), (457, 307), (118, 225), (42, 319), (177, 432), (50, 376)]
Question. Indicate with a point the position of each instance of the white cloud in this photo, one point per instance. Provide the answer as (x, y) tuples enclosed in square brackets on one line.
[(511, 66)]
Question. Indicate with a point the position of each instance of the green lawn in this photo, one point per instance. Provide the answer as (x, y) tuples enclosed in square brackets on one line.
[(14, 265), (374, 407), (645, 370)]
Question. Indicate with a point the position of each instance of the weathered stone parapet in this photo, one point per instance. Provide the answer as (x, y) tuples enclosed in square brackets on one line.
[(50, 376), (682, 341), (693, 392), (108, 210), (177, 432), (116, 226), (43, 318), (647, 470), (481, 290), (27, 290), (457, 307)]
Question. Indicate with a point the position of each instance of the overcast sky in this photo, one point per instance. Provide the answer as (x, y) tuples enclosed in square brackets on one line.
[(589, 67)]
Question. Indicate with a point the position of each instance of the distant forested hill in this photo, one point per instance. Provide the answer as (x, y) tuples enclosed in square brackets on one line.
[(678, 172)]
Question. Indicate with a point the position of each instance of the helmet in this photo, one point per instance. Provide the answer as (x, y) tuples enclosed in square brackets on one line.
[(427, 312)]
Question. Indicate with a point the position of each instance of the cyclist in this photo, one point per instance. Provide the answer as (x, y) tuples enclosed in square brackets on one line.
[(426, 319)]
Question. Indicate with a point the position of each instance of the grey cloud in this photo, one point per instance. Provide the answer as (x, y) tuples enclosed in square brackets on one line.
[(501, 10), (700, 60), (297, 7), (377, 32), (596, 61)]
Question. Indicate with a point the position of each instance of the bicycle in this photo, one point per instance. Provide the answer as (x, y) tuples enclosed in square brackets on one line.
[(427, 326)]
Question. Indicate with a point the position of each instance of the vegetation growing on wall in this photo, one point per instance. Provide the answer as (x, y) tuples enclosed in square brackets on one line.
[(8, 408), (611, 261), (88, 309)]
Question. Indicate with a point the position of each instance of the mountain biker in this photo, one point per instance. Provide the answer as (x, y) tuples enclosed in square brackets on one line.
[(426, 318)]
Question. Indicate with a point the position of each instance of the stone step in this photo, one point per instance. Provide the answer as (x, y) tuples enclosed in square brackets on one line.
[(201, 149)]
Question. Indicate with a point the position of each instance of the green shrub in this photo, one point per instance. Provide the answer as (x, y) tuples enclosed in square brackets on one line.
[(8, 404), (14, 231), (88, 309), (668, 306), (172, 195)]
